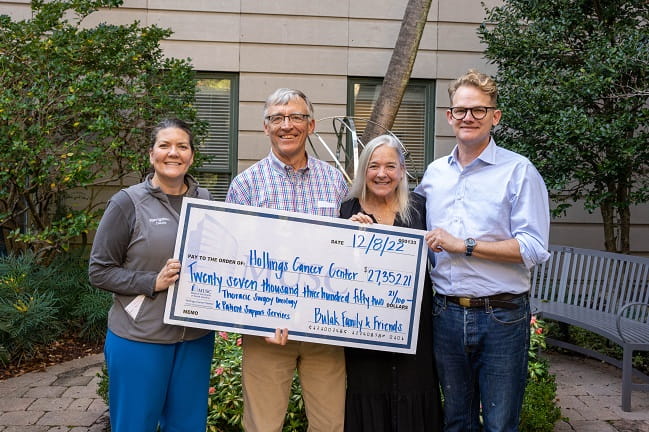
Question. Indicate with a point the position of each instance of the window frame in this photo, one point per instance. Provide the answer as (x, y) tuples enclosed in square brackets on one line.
[(429, 87), (233, 130)]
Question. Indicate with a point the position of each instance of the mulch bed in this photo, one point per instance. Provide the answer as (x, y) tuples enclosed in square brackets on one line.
[(62, 350)]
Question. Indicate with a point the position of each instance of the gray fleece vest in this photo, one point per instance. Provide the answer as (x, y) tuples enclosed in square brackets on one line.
[(152, 243)]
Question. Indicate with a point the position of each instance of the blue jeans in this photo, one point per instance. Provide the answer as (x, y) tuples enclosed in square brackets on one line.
[(481, 357)]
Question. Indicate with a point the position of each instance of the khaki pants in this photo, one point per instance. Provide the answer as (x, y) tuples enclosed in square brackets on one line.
[(267, 375)]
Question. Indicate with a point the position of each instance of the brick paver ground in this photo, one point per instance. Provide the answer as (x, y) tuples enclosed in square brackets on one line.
[(64, 398)]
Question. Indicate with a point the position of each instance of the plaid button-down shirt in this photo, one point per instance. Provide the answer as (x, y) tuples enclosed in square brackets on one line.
[(316, 189)]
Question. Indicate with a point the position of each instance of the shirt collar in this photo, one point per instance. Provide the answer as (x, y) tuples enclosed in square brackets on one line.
[(190, 181), (488, 155), (282, 167)]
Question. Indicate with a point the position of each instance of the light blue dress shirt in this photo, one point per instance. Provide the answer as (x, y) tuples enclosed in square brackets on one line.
[(498, 196)]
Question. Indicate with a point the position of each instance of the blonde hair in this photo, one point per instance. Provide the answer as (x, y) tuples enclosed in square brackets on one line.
[(477, 79), (359, 188)]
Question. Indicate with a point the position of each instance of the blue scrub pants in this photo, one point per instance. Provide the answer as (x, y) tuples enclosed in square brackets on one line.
[(151, 384)]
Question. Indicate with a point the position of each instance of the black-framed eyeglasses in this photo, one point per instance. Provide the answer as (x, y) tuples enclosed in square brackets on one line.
[(478, 113), (295, 118)]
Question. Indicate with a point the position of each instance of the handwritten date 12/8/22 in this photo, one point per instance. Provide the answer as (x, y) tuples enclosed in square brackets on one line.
[(377, 243)]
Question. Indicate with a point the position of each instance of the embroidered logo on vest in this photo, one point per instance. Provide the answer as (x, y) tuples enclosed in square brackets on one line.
[(159, 221)]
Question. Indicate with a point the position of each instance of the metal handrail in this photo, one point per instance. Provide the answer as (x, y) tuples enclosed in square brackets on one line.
[(620, 314), (344, 126)]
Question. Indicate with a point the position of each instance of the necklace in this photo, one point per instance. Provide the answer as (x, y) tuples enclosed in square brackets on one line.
[(387, 212)]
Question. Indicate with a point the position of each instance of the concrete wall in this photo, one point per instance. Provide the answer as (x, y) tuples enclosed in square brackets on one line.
[(315, 46)]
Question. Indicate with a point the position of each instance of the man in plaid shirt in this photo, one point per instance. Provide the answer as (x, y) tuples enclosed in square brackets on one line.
[(289, 179)]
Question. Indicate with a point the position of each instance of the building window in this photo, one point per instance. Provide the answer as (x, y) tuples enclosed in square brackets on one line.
[(414, 124), (216, 102)]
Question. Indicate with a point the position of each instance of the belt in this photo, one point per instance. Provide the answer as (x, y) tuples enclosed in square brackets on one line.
[(498, 300)]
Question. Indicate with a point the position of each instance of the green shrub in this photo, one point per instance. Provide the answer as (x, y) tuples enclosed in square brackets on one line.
[(77, 104), (29, 314), (225, 403), (91, 312), (102, 387), (4, 355), (28, 320), (537, 368), (84, 307), (39, 302), (540, 411)]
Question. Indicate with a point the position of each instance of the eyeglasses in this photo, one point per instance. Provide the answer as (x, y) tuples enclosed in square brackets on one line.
[(478, 113), (295, 118)]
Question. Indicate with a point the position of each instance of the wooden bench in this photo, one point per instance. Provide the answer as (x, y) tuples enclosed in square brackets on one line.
[(605, 293)]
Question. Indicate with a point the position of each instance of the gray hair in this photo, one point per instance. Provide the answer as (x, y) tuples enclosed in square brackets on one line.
[(359, 188), (282, 96)]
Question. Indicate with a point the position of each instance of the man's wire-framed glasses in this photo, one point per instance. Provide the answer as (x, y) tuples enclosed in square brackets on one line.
[(478, 113), (295, 118)]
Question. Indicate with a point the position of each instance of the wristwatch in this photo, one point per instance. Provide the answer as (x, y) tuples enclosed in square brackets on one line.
[(470, 244)]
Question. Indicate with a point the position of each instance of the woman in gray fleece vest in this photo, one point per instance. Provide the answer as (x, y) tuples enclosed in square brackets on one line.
[(158, 373)]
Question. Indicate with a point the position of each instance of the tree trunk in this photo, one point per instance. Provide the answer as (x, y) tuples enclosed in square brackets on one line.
[(608, 218), (625, 229), (624, 217), (399, 70)]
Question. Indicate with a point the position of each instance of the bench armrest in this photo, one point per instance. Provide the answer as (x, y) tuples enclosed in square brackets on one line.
[(620, 312)]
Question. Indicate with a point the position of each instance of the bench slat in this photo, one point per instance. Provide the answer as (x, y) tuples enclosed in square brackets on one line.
[(601, 323)]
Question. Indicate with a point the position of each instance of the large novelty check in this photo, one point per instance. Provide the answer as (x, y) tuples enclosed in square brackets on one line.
[(251, 270)]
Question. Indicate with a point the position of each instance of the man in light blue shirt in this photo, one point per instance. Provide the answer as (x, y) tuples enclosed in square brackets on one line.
[(488, 216)]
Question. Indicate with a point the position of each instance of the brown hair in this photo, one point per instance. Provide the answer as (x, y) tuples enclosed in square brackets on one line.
[(171, 123)]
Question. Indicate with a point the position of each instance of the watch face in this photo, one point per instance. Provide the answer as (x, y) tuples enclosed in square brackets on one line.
[(470, 244)]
